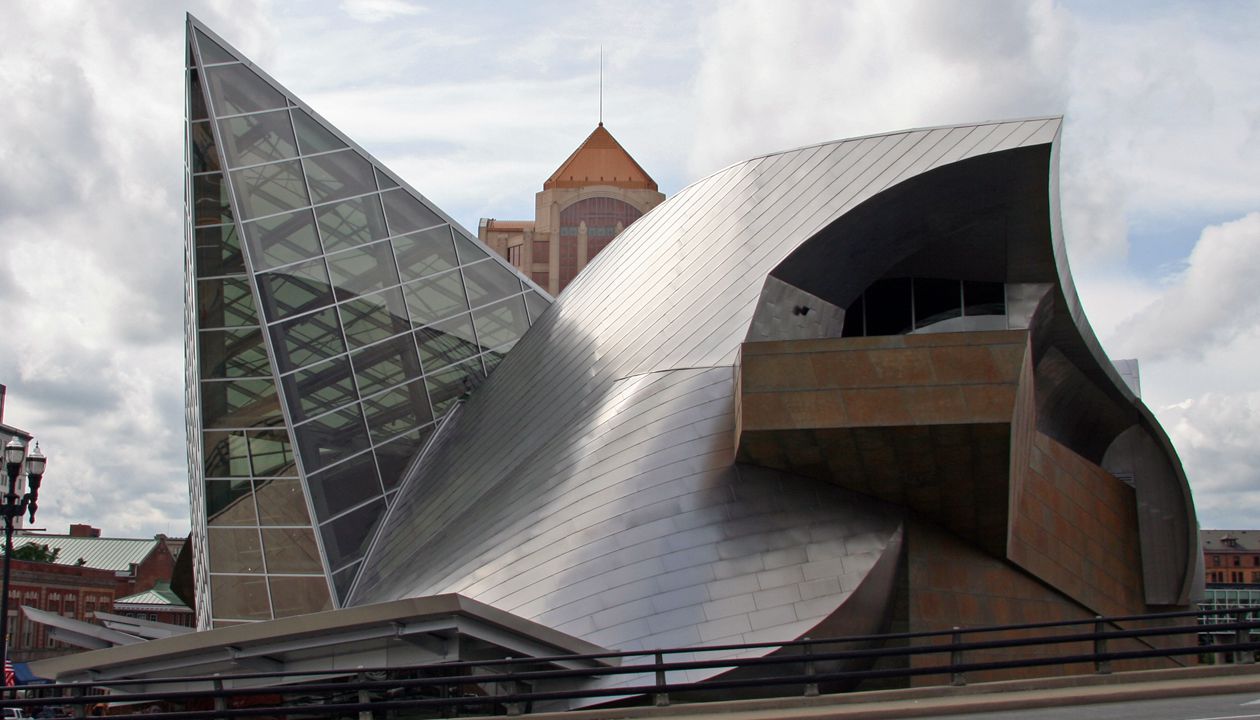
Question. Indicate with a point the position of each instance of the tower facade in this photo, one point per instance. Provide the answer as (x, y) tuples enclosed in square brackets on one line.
[(333, 316), (594, 195)]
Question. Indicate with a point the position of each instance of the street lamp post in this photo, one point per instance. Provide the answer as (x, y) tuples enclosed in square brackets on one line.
[(15, 507)]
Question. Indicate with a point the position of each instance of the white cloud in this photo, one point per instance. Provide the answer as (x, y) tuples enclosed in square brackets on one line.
[(375, 11), (1215, 435)]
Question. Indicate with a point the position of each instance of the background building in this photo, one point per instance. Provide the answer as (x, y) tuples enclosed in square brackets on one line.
[(590, 199)]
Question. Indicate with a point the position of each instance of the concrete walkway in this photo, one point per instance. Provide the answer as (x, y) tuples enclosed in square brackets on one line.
[(948, 700)]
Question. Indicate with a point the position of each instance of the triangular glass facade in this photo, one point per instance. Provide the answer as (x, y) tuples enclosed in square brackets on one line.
[(333, 317)]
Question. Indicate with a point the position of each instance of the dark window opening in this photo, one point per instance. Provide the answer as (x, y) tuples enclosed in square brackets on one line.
[(896, 306), (936, 300)]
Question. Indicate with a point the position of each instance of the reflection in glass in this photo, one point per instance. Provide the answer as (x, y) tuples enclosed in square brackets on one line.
[(226, 454), (344, 486), (436, 298), (469, 252), (374, 317), (449, 385), (384, 181), (330, 438), (500, 325), (205, 158), (307, 339), (536, 305), (489, 281), (405, 213), (234, 550), (385, 364), (313, 137), (235, 89), (299, 595), (362, 270), (271, 452), (393, 457), (218, 251), (281, 502), (282, 239), (319, 388), (239, 597), (425, 253), (343, 578), (295, 289), (225, 302), (239, 404), (261, 138), (935, 300), (984, 298), (211, 51), (352, 222), (447, 342), (270, 189), (211, 205), (346, 538), (290, 550), (338, 175), (233, 354), (396, 411), (229, 502), (196, 97)]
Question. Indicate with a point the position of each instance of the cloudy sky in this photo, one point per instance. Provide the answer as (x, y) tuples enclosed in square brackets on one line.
[(475, 103)]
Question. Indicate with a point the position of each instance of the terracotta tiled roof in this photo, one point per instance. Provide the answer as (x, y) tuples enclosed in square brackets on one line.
[(600, 160)]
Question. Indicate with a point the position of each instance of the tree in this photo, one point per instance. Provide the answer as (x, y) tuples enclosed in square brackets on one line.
[(36, 553)]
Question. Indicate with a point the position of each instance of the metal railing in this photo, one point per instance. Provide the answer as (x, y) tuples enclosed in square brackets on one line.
[(514, 686)]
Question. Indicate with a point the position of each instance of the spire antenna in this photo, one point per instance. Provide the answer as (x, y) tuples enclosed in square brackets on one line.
[(601, 85)]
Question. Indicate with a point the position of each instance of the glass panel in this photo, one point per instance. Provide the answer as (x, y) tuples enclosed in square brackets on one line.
[(319, 388), (469, 252), (383, 181), (404, 213), (335, 436), (343, 579), (346, 538), (282, 239), (281, 502), (393, 457), (211, 51), (233, 354), (374, 317), (234, 550), (344, 486), (271, 452), (291, 550), (500, 325), (936, 300), (435, 298), (239, 404), (295, 289), (425, 253), (219, 251), (362, 270), (984, 298), (226, 455), (888, 310), (338, 175), (397, 411), (536, 304), (313, 137), (254, 139), (449, 385), (299, 595), (385, 364), (446, 342), (491, 360), (230, 502), (306, 340), (197, 98), (225, 302), (240, 597), (205, 157), (350, 223), (211, 205), (235, 89), (489, 281), (269, 189)]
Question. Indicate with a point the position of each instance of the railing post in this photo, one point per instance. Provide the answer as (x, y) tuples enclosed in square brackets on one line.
[(363, 697), (1102, 665), (220, 702), (513, 708), (811, 688), (1242, 636), (662, 696), (956, 677), (80, 709)]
